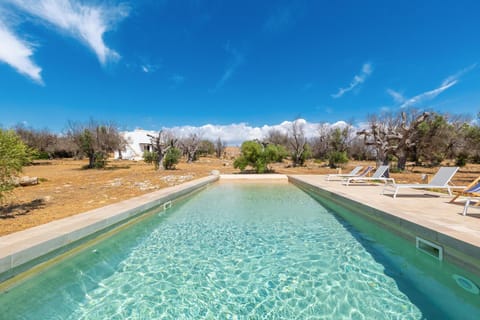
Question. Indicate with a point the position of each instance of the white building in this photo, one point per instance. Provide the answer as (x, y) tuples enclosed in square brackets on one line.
[(137, 143)]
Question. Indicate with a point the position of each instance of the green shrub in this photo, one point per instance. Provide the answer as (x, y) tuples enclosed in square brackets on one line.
[(150, 157), (42, 155), (476, 158), (306, 154), (14, 154), (337, 158), (461, 159), (394, 169), (171, 158), (100, 160), (258, 156)]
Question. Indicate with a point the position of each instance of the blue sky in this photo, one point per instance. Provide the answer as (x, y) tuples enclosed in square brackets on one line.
[(161, 63)]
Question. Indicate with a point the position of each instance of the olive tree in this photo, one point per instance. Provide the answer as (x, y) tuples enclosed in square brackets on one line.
[(206, 148), (394, 135), (219, 148), (43, 141), (190, 145), (95, 141), (161, 143), (299, 149), (275, 136), (258, 156), (438, 138), (14, 154)]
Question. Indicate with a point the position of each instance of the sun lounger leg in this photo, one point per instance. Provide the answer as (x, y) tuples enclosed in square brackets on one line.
[(467, 203), (455, 198)]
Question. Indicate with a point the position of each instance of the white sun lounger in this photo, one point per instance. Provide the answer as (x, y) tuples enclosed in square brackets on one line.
[(471, 191), (378, 175), (440, 180), (352, 173)]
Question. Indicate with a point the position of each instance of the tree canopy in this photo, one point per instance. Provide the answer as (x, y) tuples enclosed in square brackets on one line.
[(95, 140), (259, 156), (14, 154)]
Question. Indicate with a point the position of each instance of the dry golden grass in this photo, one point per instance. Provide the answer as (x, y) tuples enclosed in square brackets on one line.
[(65, 189)]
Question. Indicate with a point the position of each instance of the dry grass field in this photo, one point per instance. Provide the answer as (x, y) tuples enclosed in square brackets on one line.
[(65, 189)]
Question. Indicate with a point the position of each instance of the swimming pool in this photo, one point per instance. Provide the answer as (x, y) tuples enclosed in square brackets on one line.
[(245, 251)]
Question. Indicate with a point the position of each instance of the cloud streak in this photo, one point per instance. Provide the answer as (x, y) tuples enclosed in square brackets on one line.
[(357, 80), (85, 23), (449, 82), (236, 59), (18, 54), (397, 96)]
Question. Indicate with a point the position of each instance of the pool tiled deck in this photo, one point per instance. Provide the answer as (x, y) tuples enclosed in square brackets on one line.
[(427, 213)]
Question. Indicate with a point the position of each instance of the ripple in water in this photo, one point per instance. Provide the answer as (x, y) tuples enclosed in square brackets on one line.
[(248, 253)]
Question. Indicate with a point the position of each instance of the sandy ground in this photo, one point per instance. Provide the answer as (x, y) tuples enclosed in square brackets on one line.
[(65, 189)]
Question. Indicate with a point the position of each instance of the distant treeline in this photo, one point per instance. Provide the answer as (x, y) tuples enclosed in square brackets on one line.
[(425, 138)]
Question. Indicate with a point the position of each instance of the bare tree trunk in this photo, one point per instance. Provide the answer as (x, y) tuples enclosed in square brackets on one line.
[(161, 143), (219, 148), (91, 160), (190, 156), (297, 141), (402, 162), (190, 146)]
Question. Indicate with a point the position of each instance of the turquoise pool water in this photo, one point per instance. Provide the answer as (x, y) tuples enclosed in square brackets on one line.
[(240, 251)]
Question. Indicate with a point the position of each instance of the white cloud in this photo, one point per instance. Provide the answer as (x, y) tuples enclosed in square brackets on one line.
[(86, 23), (428, 95), (385, 109), (431, 94), (459, 74), (236, 59), (236, 133), (397, 96), (149, 68), (18, 54), (357, 80)]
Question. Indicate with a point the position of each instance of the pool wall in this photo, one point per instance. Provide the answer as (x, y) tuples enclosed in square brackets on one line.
[(19, 251), (455, 251)]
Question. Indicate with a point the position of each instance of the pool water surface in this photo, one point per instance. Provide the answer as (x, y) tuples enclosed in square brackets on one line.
[(244, 251)]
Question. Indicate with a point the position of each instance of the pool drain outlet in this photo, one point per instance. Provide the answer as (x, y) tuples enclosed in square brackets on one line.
[(466, 284), (430, 248), (167, 205)]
